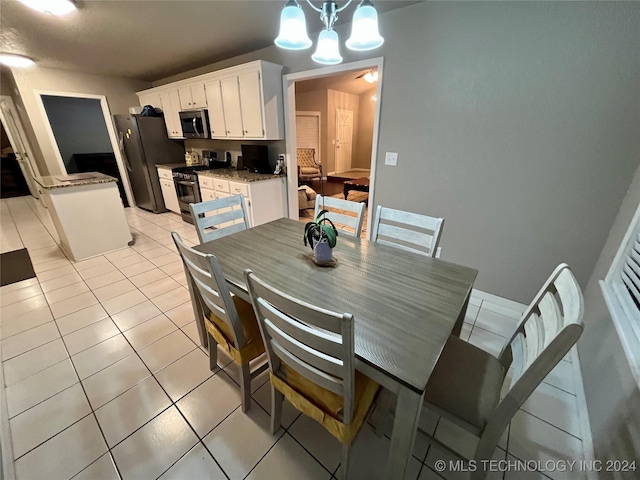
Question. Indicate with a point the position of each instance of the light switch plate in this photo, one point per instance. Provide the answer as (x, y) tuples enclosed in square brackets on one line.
[(391, 158)]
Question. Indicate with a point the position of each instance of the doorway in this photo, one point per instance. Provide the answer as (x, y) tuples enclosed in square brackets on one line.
[(348, 144), (18, 168), (81, 128)]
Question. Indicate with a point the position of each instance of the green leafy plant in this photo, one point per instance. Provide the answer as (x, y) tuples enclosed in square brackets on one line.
[(321, 228)]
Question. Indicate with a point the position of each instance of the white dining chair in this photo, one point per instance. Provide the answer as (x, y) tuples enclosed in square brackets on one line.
[(220, 217), (311, 358), (406, 230), (228, 320), (466, 384), (338, 213)]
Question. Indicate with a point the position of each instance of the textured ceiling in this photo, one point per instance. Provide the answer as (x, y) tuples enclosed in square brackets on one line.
[(148, 39)]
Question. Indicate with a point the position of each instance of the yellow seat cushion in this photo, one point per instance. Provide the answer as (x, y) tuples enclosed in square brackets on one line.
[(221, 332), (323, 405)]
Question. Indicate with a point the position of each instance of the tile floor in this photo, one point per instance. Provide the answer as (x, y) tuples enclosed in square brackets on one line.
[(104, 377)]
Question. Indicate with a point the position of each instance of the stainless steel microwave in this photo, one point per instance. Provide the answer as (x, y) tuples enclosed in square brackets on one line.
[(195, 123)]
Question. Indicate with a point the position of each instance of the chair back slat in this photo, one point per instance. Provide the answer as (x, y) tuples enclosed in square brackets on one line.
[(207, 277), (337, 208), (220, 217), (312, 337), (406, 230), (547, 330), (315, 342)]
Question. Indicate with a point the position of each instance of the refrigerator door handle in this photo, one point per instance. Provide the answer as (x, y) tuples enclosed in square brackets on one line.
[(124, 155)]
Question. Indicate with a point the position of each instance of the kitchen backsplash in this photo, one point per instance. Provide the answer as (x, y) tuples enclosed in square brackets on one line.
[(276, 147)]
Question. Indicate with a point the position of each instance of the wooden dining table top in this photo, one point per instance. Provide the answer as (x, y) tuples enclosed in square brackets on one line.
[(404, 305)]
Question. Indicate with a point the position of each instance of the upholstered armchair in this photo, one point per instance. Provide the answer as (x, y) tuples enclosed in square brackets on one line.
[(308, 168)]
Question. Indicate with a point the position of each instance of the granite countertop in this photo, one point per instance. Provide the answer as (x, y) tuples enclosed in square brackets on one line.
[(170, 165), (238, 175), (57, 181)]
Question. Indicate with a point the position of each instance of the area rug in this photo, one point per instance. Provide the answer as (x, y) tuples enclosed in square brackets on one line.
[(15, 266)]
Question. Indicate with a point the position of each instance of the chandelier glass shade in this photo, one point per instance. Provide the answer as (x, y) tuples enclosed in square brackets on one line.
[(15, 60), (364, 30)]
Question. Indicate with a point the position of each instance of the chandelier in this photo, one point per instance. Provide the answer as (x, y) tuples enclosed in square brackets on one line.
[(364, 30)]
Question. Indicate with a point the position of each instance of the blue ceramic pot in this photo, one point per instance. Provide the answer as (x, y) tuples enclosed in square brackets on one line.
[(322, 251)]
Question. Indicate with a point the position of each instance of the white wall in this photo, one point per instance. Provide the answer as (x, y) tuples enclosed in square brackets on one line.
[(515, 121), (613, 397), (120, 93)]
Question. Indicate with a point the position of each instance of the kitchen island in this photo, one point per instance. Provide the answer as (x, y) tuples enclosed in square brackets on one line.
[(87, 212)]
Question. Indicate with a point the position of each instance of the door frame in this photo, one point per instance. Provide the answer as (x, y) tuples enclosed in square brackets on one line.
[(289, 89), (111, 130), (33, 188)]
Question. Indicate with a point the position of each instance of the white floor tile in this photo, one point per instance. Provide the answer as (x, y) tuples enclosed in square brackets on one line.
[(556, 407), (167, 350), (533, 439), (131, 410), (25, 341), (196, 464), (210, 403), (562, 376), (91, 263), (98, 270), (182, 314), (113, 290), (89, 336), (241, 441), (22, 307), (64, 455), (148, 332), (136, 315), (172, 299), (40, 386), (104, 280), (22, 323), (495, 322), (299, 464), (263, 396), (128, 260), (18, 285), (114, 380), (102, 469), (74, 304), (20, 294), (147, 277), (43, 421), (64, 293), (59, 282), (102, 355), (57, 273), (124, 301), (191, 330), (185, 374), (159, 287), (155, 447), (34, 361), (489, 342), (81, 319), (318, 441)]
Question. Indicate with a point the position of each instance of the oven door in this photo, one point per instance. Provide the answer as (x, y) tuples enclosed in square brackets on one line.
[(187, 192), (195, 124)]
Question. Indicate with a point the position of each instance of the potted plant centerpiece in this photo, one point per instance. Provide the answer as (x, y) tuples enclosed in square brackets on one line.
[(321, 236)]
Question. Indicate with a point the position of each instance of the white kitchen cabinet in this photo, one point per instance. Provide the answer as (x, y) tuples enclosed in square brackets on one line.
[(244, 102), (251, 104), (168, 190), (171, 109), (232, 108), (192, 96), (217, 123), (265, 199), (152, 99)]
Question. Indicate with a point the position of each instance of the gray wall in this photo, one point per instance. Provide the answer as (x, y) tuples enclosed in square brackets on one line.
[(518, 122), (613, 396), (362, 155), (78, 125)]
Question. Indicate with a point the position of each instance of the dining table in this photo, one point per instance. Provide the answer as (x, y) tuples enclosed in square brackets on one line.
[(404, 306)]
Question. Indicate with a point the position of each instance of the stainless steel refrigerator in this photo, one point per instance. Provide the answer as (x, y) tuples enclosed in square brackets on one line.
[(144, 144)]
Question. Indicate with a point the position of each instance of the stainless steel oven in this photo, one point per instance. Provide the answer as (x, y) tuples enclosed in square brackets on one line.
[(187, 189)]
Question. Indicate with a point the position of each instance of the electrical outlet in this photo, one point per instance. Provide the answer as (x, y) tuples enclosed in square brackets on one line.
[(391, 158)]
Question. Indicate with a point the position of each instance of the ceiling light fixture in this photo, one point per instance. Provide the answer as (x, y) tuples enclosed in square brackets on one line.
[(371, 76), (53, 7), (15, 60), (364, 30)]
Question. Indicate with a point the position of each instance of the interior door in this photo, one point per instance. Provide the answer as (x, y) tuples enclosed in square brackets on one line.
[(15, 132), (344, 139)]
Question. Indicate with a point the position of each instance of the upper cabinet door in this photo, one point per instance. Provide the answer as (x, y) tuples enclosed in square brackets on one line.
[(186, 103), (216, 110), (251, 104), (231, 105), (152, 99), (198, 96)]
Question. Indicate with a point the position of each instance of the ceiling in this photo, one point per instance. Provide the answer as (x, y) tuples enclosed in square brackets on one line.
[(149, 39)]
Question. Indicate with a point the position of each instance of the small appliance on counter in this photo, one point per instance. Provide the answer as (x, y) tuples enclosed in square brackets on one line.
[(216, 158)]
